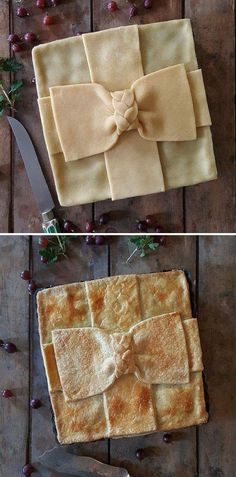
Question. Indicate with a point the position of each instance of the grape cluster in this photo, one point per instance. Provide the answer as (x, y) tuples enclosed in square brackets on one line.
[(18, 43), (133, 9)]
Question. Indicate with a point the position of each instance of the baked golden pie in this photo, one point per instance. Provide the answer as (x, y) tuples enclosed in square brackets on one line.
[(122, 356), (124, 112)]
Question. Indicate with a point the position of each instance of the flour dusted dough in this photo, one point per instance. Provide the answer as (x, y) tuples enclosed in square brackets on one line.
[(115, 58)]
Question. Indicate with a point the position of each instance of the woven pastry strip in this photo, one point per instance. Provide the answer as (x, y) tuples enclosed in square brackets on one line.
[(114, 59), (111, 365)]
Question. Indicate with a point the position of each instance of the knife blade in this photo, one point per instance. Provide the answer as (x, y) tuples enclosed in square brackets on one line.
[(59, 459), (37, 180)]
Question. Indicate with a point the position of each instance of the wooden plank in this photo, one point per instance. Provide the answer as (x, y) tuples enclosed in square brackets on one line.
[(162, 459), (217, 303), (14, 368), (211, 207), (70, 17), (167, 205), (5, 139), (85, 263)]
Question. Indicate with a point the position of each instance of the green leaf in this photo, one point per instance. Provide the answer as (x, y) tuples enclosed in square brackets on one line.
[(55, 248), (153, 246), (143, 243), (17, 84), (9, 64), (1, 98)]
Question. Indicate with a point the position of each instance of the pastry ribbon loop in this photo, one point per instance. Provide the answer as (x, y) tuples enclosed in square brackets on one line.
[(90, 360), (159, 105)]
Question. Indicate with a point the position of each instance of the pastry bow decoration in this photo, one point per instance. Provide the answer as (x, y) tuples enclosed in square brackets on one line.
[(90, 360), (159, 105)]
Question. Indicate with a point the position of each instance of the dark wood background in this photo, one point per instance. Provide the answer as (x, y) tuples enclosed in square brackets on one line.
[(207, 207), (206, 451)]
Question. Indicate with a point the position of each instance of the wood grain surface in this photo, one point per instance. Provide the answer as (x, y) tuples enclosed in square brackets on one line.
[(206, 207), (206, 451)]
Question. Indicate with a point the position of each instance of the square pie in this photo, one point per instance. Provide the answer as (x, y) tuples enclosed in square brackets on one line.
[(124, 99), (122, 356)]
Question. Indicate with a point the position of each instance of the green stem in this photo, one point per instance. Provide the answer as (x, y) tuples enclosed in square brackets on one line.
[(61, 244), (132, 254), (6, 95)]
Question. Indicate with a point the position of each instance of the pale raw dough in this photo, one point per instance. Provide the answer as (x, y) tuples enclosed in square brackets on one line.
[(163, 106), (105, 343), (104, 59)]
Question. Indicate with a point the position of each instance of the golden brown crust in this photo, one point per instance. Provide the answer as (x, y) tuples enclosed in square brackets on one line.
[(114, 302), (193, 345), (65, 306), (129, 407), (81, 357), (180, 406), (80, 421), (112, 339), (164, 293), (54, 383), (155, 356)]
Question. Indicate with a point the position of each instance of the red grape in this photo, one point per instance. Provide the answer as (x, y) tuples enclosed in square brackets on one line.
[(43, 242), (150, 220), (7, 393), (142, 226), (10, 347), (133, 10), (17, 47), (140, 454), (112, 7), (35, 403), (167, 438), (25, 275), (89, 226), (22, 12), (32, 287), (48, 20), (68, 226), (40, 4), (55, 2), (30, 37), (27, 470), (147, 3), (100, 240), (104, 219), (13, 38)]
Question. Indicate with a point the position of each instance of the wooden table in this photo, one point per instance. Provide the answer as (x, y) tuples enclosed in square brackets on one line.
[(207, 207), (206, 451)]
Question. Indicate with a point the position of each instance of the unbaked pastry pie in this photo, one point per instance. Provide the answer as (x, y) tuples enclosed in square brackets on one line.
[(124, 112), (122, 356)]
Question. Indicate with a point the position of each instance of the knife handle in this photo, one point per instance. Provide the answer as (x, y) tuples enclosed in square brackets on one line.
[(50, 224)]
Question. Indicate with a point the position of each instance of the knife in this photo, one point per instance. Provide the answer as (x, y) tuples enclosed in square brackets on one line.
[(59, 459), (37, 180)]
